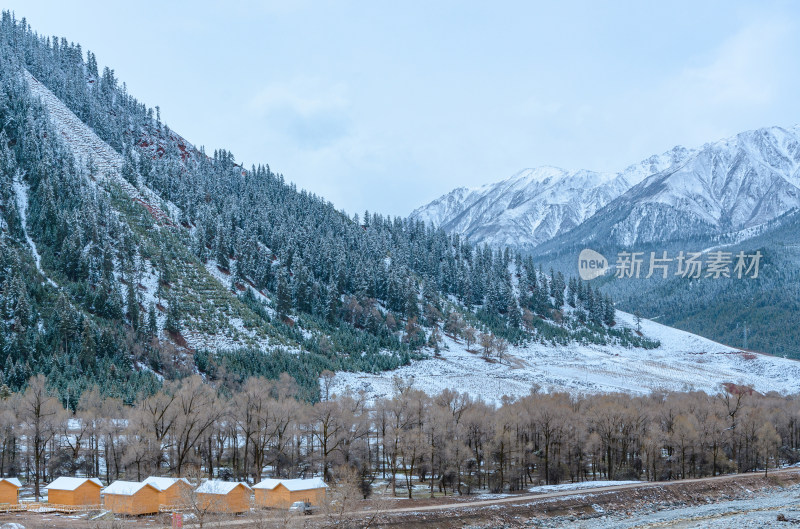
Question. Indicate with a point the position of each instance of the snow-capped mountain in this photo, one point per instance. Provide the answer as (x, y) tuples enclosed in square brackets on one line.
[(725, 186), (527, 209)]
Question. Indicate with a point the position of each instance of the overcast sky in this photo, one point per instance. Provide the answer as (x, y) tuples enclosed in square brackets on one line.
[(387, 105)]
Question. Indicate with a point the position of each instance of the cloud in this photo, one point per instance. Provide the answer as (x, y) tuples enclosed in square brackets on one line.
[(745, 69), (309, 113)]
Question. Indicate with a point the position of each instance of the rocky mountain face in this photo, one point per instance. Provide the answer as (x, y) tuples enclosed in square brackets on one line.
[(727, 186)]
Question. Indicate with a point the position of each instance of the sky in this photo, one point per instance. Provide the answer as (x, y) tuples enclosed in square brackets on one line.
[(384, 106)]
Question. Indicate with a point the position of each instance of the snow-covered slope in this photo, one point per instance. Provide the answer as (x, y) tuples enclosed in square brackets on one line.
[(727, 186), (86, 146), (684, 361), (202, 285), (21, 192)]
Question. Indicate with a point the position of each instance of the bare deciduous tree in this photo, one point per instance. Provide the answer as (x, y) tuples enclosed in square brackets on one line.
[(469, 336), (197, 409), (487, 344), (40, 413)]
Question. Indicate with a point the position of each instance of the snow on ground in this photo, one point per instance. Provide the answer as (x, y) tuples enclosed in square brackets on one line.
[(684, 361), (212, 267), (225, 340), (144, 367), (579, 486), (148, 288), (21, 192)]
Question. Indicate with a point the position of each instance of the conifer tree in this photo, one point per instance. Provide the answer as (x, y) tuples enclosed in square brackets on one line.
[(173, 322)]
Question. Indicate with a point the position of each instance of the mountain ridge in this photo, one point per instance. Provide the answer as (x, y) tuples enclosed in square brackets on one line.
[(660, 186)]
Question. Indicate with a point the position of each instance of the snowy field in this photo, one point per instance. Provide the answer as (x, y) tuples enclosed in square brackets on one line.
[(684, 361)]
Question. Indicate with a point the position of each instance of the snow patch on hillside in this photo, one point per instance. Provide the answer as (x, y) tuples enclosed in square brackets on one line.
[(21, 193), (683, 362)]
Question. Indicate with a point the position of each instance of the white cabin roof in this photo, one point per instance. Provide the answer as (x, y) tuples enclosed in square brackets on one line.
[(220, 487), (126, 488), (67, 483), (162, 483), (14, 481), (293, 485)]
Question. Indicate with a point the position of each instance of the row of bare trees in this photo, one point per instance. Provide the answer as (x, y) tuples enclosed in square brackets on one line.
[(449, 443)]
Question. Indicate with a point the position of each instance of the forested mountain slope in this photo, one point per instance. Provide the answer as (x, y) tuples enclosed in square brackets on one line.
[(128, 255), (761, 314)]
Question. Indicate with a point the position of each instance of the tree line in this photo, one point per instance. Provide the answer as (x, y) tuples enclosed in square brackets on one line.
[(450, 443)]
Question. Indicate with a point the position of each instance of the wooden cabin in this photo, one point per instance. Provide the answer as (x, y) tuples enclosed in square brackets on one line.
[(131, 497), (74, 491), (281, 493), (224, 496), (174, 491), (9, 490)]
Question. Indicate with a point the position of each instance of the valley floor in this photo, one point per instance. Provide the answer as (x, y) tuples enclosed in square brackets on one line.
[(745, 500)]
